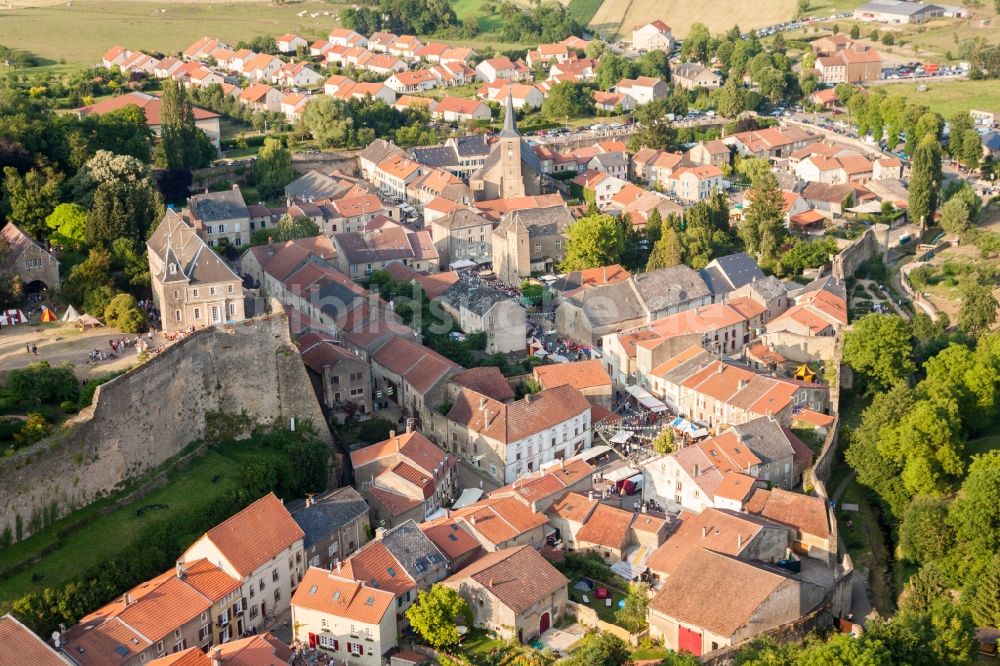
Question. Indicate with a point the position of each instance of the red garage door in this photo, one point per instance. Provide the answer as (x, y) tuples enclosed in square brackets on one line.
[(689, 641)]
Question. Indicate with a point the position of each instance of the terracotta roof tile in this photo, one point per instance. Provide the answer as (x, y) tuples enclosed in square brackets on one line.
[(607, 526), (256, 534), (806, 514), (19, 645), (518, 420), (451, 537), (518, 577), (327, 592), (714, 529), (579, 375), (375, 566)]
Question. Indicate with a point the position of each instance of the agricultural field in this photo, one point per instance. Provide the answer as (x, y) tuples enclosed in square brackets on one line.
[(950, 97), (618, 17), (79, 32)]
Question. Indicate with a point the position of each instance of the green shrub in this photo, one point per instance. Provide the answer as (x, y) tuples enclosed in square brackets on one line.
[(87, 392), (68, 406), (40, 384)]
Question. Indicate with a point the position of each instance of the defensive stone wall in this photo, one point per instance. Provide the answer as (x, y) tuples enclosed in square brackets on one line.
[(250, 370), (855, 254)]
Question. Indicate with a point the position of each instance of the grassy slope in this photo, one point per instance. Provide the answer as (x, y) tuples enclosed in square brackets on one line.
[(81, 31), (619, 16), (108, 535), (949, 97)]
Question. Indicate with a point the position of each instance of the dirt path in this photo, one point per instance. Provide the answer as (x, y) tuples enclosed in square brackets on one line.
[(61, 343)]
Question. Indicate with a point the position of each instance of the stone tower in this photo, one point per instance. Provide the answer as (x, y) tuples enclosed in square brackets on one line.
[(511, 178)]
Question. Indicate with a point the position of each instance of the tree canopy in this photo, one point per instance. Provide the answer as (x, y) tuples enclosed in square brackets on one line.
[(594, 240), (436, 613), (879, 348)]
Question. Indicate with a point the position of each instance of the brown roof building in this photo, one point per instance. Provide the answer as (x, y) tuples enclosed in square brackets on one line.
[(19, 645), (514, 592), (588, 377), (716, 600), (511, 439), (405, 477)]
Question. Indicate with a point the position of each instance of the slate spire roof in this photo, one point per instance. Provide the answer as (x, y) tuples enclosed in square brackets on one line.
[(509, 123)]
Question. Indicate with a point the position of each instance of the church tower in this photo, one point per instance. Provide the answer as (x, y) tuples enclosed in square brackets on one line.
[(511, 178)]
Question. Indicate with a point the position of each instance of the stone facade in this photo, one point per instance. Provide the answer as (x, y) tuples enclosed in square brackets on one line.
[(249, 367)]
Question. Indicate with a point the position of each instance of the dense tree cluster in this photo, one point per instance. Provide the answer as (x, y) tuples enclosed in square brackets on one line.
[(545, 22), (915, 448), (414, 17), (336, 123)]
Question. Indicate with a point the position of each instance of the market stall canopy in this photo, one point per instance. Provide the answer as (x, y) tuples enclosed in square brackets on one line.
[(646, 399), (87, 321), (621, 437)]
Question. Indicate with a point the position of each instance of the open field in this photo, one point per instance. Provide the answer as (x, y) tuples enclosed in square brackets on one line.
[(79, 32), (949, 97), (620, 16)]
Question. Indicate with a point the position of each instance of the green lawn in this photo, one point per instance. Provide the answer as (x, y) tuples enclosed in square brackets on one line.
[(648, 653), (584, 10), (603, 611), (197, 484), (950, 97), (80, 31), (982, 445), (478, 646)]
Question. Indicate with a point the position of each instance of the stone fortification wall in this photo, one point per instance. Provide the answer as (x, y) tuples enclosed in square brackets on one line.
[(139, 420)]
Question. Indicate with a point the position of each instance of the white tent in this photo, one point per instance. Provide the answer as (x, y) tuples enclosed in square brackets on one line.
[(460, 264), (87, 321), (12, 316), (71, 314), (646, 399), (468, 496)]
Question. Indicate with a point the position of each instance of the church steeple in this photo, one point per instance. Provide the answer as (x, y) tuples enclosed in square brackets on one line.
[(509, 121)]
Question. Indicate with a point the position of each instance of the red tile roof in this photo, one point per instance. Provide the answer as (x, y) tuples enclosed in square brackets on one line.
[(451, 537), (517, 577), (20, 646), (579, 375), (374, 565), (149, 104), (256, 534), (518, 420), (324, 591), (714, 529), (412, 447), (500, 520), (607, 526)]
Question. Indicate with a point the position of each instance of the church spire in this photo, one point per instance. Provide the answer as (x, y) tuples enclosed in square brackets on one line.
[(509, 122)]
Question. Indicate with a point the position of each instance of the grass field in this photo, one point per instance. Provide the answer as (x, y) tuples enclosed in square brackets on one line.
[(619, 16), (949, 97), (584, 10), (197, 484), (79, 32)]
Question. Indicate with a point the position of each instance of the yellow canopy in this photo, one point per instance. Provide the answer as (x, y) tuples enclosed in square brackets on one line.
[(805, 373), (49, 315)]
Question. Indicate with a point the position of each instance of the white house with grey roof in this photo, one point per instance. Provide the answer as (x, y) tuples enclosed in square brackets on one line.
[(192, 285), (461, 155), (731, 272), (478, 308), (462, 235), (221, 217), (335, 524)]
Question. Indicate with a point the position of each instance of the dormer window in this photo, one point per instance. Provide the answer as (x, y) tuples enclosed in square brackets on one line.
[(173, 268)]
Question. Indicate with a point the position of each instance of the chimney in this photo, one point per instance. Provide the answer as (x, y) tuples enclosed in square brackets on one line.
[(590, 494), (472, 519), (126, 600), (392, 434), (697, 470), (217, 656), (739, 541), (562, 463), (482, 403), (491, 583), (180, 570), (527, 398), (704, 532), (236, 187), (309, 500), (379, 533), (339, 565)]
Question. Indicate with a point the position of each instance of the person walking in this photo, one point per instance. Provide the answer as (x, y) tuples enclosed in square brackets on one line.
[(34, 350)]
